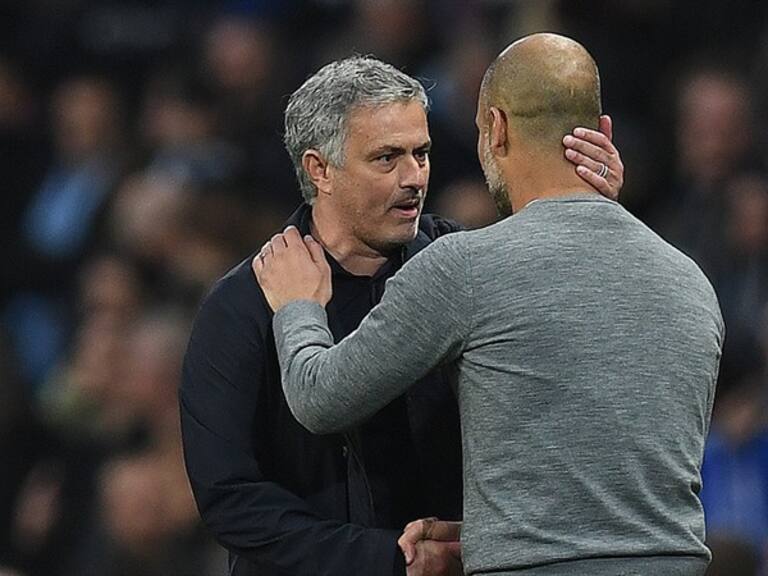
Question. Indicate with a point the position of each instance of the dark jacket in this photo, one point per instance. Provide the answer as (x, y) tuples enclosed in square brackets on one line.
[(283, 501)]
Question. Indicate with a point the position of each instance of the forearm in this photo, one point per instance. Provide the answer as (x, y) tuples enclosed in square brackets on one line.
[(421, 321), (329, 388), (281, 531)]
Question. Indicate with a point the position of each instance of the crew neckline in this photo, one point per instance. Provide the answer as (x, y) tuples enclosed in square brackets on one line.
[(575, 197)]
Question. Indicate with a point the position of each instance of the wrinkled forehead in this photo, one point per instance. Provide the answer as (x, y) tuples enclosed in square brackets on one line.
[(397, 123)]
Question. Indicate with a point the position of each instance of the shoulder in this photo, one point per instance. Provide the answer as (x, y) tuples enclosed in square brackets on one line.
[(235, 298), (441, 262), (688, 271), (238, 285), (431, 227), (435, 226), (681, 270)]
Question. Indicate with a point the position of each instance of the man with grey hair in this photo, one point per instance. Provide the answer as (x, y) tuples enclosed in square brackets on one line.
[(281, 500)]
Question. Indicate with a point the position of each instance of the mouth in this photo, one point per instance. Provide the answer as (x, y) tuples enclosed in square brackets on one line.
[(407, 209)]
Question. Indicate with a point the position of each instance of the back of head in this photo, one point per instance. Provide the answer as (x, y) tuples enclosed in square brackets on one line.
[(547, 85)]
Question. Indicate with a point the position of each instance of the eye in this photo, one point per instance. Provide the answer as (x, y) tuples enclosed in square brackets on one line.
[(386, 160), (421, 155)]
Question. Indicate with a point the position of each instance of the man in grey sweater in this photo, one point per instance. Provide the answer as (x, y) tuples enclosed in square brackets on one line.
[(585, 347)]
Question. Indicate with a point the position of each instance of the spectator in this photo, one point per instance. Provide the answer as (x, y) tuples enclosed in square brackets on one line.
[(20, 441), (713, 129), (241, 55), (180, 127), (62, 220), (735, 469), (741, 273)]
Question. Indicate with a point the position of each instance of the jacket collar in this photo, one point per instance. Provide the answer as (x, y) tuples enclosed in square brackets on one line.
[(302, 217)]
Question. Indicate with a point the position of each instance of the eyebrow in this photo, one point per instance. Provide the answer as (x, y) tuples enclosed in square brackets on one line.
[(387, 149)]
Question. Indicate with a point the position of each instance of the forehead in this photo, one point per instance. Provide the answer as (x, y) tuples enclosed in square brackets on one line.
[(402, 124)]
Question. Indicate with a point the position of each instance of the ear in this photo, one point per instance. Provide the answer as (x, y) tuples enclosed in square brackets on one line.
[(497, 131), (317, 168)]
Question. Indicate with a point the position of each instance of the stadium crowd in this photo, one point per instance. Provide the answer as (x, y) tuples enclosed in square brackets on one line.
[(141, 158)]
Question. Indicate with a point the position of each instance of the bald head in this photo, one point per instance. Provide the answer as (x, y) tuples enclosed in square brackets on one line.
[(546, 85)]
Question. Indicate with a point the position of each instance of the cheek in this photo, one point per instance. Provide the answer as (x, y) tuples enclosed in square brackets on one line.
[(366, 200), (482, 152), (363, 213), (377, 194)]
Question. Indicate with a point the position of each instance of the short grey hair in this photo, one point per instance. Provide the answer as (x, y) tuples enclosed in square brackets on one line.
[(317, 112)]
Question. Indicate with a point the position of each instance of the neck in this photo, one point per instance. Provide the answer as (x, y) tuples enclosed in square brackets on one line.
[(539, 178), (558, 191), (338, 240)]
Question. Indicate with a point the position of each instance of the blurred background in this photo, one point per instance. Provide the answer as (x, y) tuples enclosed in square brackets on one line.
[(141, 157)]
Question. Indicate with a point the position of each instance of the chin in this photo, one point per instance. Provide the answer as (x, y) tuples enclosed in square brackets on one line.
[(396, 239), (409, 232)]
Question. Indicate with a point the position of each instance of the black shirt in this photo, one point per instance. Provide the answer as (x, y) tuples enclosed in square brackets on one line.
[(284, 501)]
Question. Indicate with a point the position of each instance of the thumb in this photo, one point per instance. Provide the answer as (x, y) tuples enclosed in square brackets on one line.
[(606, 126), (408, 548), (315, 250), (454, 548)]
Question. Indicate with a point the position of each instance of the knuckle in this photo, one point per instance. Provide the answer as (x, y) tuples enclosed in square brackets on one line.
[(596, 154), (580, 145)]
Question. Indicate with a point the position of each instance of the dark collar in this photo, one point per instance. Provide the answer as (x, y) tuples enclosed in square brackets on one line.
[(302, 218)]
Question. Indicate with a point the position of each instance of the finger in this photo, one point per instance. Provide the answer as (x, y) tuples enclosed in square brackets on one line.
[(265, 251), (291, 236), (420, 522), (606, 126), (408, 548), (594, 137), (601, 184), (315, 250), (595, 152), (454, 548), (581, 160), (419, 529), (445, 531), (257, 265), (412, 535), (278, 243)]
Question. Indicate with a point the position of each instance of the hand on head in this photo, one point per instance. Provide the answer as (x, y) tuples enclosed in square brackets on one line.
[(596, 158), (290, 268), (432, 546)]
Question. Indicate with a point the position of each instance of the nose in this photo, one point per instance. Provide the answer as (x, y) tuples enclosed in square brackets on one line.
[(414, 173)]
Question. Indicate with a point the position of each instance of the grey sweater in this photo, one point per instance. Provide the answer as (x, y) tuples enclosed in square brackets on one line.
[(586, 352)]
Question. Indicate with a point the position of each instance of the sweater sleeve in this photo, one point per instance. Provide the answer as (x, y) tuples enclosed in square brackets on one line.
[(423, 320)]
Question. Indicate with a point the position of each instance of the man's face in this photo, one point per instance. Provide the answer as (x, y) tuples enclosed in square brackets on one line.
[(496, 185), (379, 192)]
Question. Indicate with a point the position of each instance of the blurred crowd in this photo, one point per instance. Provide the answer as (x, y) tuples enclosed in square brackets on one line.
[(141, 157)]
